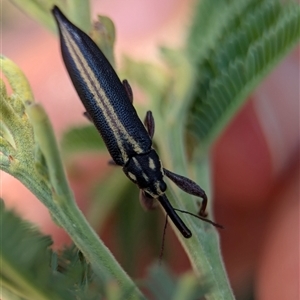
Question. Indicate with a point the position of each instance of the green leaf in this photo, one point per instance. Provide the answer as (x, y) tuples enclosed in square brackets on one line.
[(77, 10), (232, 55), (104, 34), (17, 143), (105, 197), (163, 285), (139, 227), (38, 10), (81, 139)]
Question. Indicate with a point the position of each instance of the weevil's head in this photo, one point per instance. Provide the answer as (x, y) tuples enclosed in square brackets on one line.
[(146, 171)]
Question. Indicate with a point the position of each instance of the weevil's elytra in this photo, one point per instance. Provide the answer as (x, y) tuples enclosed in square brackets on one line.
[(102, 93), (108, 104)]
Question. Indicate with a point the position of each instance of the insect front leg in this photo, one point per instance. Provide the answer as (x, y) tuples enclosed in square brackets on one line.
[(190, 187), (147, 202), (149, 123)]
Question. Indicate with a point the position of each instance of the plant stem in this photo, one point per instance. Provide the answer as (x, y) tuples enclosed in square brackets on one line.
[(67, 213), (101, 259), (203, 248)]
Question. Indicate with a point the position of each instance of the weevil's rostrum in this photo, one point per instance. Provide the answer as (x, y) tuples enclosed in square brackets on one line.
[(108, 104)]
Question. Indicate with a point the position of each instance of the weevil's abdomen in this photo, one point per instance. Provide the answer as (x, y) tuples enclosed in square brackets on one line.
[(102, 93)]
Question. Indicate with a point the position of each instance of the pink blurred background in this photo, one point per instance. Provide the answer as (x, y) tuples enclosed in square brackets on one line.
[(256, 160)]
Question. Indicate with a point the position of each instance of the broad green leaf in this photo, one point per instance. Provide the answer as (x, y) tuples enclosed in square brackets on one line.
[(81, 139)]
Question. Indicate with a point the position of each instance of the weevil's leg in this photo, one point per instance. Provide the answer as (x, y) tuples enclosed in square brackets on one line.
[(149, 123), (174, 217), (86, 114), (147, 202), (128, 90), (112, 162), (190, 187), (163, 240)]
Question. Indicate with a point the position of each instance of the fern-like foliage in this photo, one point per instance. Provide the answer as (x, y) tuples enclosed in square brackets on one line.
[(232, 49), (31, 270), (25, 256)]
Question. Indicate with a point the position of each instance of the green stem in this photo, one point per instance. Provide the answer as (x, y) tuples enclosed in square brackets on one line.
[(203, 248), (68, 216), (45, 137), (67, 213), (101, 259)]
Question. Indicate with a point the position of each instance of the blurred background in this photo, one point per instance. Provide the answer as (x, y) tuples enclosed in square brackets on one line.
[(255, 161)]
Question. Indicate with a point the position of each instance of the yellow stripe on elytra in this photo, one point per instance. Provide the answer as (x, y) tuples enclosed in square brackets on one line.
[(100, 97)]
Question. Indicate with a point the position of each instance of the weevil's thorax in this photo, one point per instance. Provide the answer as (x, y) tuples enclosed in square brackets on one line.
[(146, 171)]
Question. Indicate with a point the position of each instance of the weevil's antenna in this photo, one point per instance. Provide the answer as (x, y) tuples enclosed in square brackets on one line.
[(199, 217), (163, 241), (166, 224)]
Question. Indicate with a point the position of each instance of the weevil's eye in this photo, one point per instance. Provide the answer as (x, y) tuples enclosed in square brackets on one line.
[(162, 186), (157, 189)]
